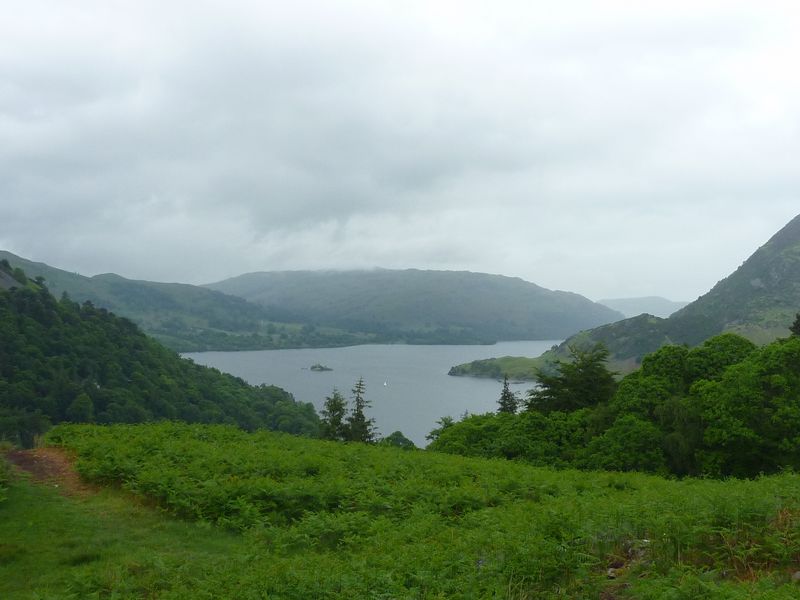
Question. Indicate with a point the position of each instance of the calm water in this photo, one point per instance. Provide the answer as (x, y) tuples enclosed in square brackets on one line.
[(408, 385)]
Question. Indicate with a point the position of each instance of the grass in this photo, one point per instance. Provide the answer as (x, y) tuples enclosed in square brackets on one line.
[(103, 546), (285, 518)]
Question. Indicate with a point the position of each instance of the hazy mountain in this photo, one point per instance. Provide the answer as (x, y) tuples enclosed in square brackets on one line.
[(184, 317), (64, 361), (420, 305), (758, 301), (651, 305)]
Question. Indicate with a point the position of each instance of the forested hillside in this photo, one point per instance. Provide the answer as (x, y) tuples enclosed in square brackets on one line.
[(421, 306), (64, 361), (186, 318)]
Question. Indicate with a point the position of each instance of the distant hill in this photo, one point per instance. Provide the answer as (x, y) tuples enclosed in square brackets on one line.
[(184, 317), (758, 301), (64, 361), (420, 306), (651, 305)]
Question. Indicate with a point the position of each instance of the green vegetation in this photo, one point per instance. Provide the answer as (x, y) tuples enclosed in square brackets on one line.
[(184, 317), (5, 475), (325, 309), (292, 518), (516, 368), (61, 361), (353, 426), (508, 402), (413, 306), (724, 408)]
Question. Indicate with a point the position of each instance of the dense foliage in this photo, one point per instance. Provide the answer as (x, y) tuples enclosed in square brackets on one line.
[(326, 520), (5, 475), (351, 424), (723, 408), (61, 361)]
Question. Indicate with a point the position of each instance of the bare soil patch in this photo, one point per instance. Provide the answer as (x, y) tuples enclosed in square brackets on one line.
[(53, 467)]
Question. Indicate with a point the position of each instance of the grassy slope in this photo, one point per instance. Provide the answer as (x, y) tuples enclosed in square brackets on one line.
[(758, 301), (489, 307), (385, 524)]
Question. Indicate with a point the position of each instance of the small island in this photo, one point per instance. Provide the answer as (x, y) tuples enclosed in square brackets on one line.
[(319, 367)]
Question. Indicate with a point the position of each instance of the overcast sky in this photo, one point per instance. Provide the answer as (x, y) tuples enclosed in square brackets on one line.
[(608, 148)]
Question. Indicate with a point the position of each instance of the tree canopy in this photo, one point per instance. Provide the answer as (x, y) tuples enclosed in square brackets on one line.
[(61, 361), (725, 408)]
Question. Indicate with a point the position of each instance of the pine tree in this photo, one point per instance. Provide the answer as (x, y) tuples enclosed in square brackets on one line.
[(582, 383), (795, 328), (508, 400), (333, 425), (361, 429)]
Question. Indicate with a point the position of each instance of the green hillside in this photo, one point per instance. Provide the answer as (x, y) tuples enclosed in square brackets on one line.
[(63, 361), (758, 301), (184, 317), (273, 516), (421, 306)]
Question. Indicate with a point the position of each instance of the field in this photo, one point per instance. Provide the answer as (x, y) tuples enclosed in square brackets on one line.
[(189, 511)]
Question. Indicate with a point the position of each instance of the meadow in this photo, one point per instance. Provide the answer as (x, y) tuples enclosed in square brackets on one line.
[(214, 512)]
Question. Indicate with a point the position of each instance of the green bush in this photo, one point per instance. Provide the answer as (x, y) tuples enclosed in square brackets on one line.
[(5, 476), (333, 520)]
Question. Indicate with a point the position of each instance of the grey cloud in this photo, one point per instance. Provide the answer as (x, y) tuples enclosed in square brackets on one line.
[(579, 148)]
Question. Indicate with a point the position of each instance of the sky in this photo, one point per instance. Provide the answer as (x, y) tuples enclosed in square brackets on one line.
[(614, 149)]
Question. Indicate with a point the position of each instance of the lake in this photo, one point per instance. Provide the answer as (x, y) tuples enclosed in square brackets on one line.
[(408, 386)]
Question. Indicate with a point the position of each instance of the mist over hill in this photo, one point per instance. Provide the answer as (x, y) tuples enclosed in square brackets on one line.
[(420, 305), (186, 318), (327, 308), (651, 305)]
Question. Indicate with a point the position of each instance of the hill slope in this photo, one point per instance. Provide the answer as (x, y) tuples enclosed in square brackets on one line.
[(422, 306), (187, 318), (345, 521), (758, 301), (652, 305), (61, 361)]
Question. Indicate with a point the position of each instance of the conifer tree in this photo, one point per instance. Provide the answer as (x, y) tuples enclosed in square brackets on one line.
[(508, 400), (582, 383), (333, 425), (795, 328), (361, 429)]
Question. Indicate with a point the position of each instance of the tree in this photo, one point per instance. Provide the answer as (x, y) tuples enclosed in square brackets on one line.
[(81, 410), (795, 328), (443, 423), (361, 429), (398, 440), (584, 382), (508, 400), (332, 425)]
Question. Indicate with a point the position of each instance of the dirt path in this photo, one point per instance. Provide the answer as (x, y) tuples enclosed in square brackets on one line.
[(51, 466)]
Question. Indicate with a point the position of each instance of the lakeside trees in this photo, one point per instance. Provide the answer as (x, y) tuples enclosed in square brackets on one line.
[(355, 426), (725, 408)]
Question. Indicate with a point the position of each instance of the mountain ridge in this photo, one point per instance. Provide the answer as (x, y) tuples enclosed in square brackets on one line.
[(390, 301), (758, 301)]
